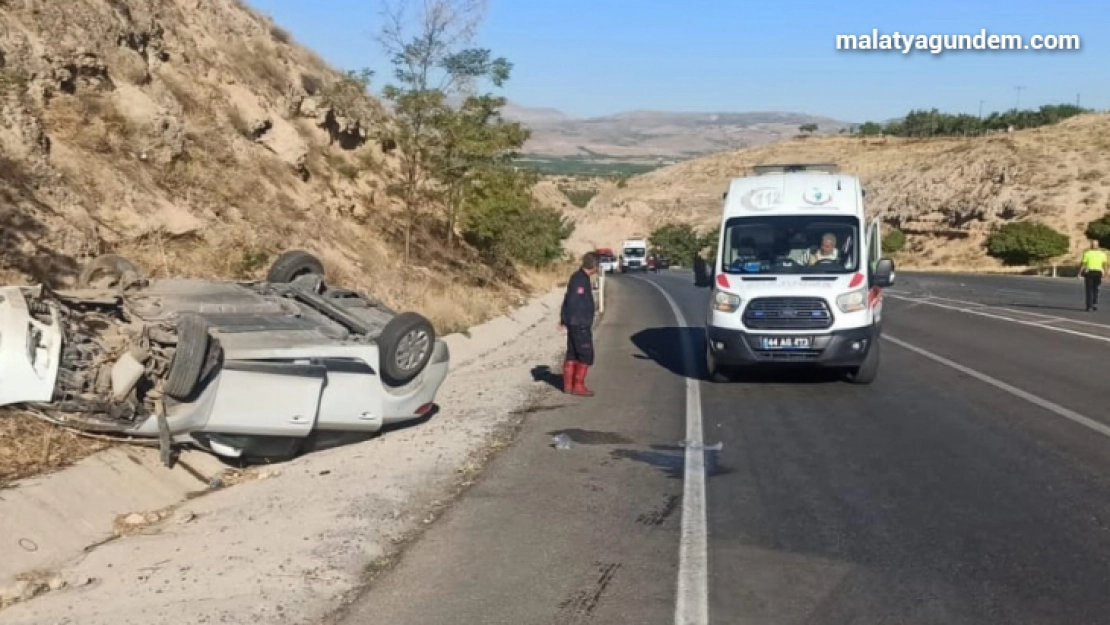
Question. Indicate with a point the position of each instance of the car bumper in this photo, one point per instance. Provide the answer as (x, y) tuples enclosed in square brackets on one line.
[(415, 400), (842, 348)]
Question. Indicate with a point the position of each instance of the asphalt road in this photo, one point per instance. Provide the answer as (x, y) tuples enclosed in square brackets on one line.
[(969, 484)]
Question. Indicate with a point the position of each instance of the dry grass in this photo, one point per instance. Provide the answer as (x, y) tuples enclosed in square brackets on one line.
[(29, 446), (262, 62), (91, 121)]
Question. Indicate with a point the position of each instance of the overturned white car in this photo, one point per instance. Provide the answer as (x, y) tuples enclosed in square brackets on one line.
[(250, 369)]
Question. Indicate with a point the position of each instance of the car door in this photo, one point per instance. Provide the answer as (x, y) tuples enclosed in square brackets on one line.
[(267, 398)]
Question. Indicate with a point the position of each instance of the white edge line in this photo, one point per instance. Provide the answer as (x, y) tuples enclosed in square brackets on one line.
[(1054, 318), (692, 600), (1035, 324), (1055, 408)]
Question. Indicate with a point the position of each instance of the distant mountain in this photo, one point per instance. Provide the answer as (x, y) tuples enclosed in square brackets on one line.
[(649, 134)]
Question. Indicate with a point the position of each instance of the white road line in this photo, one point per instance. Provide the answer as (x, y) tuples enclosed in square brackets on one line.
[(1013, 390), (1054, 318), (973, 311), (692, 603)]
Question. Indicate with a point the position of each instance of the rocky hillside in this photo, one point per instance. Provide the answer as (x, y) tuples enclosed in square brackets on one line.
[(642, 134), (945, 194), (197, 138)]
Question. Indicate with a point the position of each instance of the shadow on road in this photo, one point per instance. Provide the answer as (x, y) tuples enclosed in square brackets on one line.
[(667, 346), (671, 460), (543, 373)]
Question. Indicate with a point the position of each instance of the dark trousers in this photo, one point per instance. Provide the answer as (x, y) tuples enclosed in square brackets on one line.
[(580, 344), (1092, 280)]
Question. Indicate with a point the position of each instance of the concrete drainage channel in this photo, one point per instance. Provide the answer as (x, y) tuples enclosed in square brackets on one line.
[(49, 523)]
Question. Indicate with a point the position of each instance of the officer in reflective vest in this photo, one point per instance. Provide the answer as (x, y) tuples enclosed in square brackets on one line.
[(1093, 266)]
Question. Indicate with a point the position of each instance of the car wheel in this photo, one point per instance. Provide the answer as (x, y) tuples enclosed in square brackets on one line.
[(294, 264), (406, 346), (108, 271), (189, 358), (869, 370)]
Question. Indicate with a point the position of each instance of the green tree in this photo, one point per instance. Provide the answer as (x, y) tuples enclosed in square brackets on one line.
[(893, 241), (502, 220), (431, 65), (870, 129), (473, 137), (808, 128), (1023, 243), (676, 241), (1099, 230)]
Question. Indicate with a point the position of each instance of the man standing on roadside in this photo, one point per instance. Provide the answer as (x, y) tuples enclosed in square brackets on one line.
[(577, 319), (1092, 267)]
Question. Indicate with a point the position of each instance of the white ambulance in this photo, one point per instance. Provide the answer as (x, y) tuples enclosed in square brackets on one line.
[(798, 276)]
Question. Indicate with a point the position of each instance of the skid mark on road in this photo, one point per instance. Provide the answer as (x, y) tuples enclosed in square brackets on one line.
[(1036, 400), (660, 515), (580, 606)]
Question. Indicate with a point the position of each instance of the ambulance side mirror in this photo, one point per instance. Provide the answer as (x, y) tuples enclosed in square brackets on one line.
[(884, 273)]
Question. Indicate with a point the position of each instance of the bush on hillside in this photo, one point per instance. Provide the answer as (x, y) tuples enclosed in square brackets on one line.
[(578, 197), (679, 242), (1024, 243), (893, 241), (502, 220), (1099, 230)]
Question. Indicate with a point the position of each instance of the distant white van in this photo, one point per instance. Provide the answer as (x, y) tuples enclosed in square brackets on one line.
[(634, 255), (799, 274)]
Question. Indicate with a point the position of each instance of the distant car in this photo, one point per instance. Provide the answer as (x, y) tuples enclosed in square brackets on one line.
[(661, 262), (606, 263), (242, 369)]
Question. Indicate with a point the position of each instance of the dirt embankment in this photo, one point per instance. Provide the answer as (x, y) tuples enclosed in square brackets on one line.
[(945, 194)]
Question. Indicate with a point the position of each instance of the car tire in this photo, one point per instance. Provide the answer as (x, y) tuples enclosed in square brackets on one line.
[(106, 266), (294, 264), (189, 358), (869, 370), (406, 344)]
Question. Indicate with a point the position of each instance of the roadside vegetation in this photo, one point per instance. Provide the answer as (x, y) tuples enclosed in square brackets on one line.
[(1026, 243), (894, 240), (1099, 230), (680, 242), (933, 123)]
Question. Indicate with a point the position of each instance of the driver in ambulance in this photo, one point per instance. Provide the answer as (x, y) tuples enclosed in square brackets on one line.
[(827, 251)]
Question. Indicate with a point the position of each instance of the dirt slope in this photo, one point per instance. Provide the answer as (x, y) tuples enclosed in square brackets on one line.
[(944, 193), (197, 138)]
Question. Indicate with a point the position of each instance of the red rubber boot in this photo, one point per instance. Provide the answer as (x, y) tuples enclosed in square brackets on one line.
[(569, 370), (580, 372)]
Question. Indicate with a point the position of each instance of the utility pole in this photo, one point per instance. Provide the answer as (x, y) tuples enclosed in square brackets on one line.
[(1077, 101), (1019, 90), (980, 109)]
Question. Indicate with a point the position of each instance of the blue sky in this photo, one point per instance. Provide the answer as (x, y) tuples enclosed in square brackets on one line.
[(604, 56)]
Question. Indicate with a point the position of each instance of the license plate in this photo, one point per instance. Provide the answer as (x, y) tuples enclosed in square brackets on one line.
[(787, 342)]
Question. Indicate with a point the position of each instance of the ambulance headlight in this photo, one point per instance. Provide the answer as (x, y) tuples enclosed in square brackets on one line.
[(852, 301)]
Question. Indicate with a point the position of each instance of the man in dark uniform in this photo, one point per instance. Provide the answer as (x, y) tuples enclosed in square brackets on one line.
[(577, 319)]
